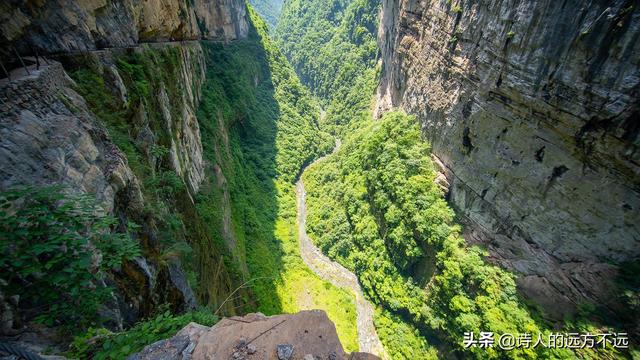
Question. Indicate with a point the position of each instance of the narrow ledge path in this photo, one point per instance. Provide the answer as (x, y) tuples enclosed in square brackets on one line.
[(338, 275)]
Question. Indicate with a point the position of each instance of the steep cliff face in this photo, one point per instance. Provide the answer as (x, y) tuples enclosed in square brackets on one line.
[(532, 108), (59, 131), (120, 124), (44, 121), (62, 26)]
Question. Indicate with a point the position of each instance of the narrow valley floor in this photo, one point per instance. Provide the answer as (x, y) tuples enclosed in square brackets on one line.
[(338, 275)]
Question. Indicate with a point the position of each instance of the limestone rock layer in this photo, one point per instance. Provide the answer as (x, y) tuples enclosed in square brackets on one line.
[(55, 26), (532, 107)]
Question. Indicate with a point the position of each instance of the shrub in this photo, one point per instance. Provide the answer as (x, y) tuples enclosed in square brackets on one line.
[(102, 344), (46, 239)]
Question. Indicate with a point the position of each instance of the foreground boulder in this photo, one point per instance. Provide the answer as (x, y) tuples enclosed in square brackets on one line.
[(306, 335)]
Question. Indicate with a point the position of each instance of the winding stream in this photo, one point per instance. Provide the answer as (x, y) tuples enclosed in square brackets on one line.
[(338, 275)]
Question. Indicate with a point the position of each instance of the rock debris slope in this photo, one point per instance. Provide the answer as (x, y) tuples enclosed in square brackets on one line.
[(532, 107)]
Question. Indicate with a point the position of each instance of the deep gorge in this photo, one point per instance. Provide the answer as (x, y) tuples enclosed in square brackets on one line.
[(487, 178)]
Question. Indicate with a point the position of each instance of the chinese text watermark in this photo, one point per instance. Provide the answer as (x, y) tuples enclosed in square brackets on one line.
[(486, 339)]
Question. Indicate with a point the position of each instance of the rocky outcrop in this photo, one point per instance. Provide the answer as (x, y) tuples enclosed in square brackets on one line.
[(179, 347), (306, 335), (222, 19), (66, 25), (124, 131), (532, 108), (178, 116), (50, 135)]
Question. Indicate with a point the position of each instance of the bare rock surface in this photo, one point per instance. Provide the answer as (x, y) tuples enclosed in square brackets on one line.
[(48, 135), (304, 335), (532, 109), (178, 347), (69, 25)]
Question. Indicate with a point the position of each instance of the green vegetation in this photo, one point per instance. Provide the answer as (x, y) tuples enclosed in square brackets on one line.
[(375, 208), (400, 339), (269, 10), (46, 240), (259, 128), (99, 344), (332, 46), (154, 100)]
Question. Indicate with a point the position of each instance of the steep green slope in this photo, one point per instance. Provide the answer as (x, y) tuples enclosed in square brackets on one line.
[(259, 127), (332, 46), (168, 228), (269, 10)]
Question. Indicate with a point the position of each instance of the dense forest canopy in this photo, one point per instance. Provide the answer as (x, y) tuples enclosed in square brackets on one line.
[(332, 46)]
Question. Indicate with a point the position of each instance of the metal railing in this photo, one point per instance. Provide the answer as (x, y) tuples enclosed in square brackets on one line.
[(21, 60)]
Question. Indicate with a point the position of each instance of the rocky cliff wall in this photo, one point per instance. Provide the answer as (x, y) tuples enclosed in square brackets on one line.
[(49, 135), (59, 130), (69, 25), (108, 116), (533, 109)]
